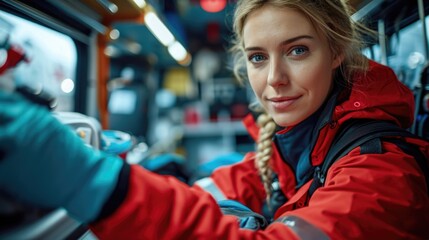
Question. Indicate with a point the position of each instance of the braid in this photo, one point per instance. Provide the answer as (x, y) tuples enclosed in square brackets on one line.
[(264, 150)]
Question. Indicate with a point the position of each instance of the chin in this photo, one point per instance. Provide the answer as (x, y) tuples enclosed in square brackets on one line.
[(285, 122)]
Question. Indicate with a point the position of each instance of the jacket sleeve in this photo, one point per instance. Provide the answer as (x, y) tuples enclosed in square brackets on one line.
[(161, 207), (371, 196)]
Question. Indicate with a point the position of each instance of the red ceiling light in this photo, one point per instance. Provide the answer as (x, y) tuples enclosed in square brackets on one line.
[(213, 5)]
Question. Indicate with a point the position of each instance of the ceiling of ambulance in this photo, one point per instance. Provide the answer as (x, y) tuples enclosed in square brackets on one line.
[(191, 25)]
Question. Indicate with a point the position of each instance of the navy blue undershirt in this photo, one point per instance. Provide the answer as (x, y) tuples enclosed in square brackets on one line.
[(295, 146)]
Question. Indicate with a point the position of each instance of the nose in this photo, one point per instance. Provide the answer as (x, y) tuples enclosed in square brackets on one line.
[(277, 73)]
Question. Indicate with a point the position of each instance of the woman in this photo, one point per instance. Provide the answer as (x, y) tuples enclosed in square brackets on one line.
[(303, 62)]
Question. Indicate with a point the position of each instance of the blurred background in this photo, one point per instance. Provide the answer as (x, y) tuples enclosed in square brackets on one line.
[(160, 70), (144, 79)]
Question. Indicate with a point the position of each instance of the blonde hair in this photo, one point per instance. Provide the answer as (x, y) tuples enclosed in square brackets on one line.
[(264, 151), (332, 19)]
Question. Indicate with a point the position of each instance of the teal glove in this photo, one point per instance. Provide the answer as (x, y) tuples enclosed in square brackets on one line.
[(44, 163), (245, 217)]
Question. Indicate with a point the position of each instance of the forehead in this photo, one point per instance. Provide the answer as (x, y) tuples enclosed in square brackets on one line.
[(269, 22)]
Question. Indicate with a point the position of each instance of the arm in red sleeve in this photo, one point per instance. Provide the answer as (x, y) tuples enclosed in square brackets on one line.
[(161, 207)]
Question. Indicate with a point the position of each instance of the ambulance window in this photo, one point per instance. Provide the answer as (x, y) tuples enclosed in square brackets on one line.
[(373, 52), (52, 57), (407, 54)]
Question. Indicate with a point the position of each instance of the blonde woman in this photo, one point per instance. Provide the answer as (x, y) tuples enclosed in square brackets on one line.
[(302, 59)]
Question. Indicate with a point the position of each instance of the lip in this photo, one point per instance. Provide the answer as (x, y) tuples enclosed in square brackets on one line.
[(282, 103)]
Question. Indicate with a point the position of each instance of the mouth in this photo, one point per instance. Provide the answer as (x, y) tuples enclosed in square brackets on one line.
[(282, 103)]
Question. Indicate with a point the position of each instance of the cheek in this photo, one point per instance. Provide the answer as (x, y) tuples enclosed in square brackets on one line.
[(257, 82), (322, 89), (317, 81)]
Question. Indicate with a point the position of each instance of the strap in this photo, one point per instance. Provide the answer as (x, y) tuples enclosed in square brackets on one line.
[(353, 134), (372, 146), (356, 133)]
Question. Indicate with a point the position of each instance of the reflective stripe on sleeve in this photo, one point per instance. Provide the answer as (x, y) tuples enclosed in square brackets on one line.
[(302, 228), (208, 185)]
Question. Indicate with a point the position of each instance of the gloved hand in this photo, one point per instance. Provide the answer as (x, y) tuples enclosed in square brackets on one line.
[(43, 162), (245, 217)]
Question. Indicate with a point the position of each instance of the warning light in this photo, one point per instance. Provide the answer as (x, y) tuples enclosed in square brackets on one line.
[(213, 5)]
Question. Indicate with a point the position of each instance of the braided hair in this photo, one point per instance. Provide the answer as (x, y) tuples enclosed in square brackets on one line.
[(264, 151)]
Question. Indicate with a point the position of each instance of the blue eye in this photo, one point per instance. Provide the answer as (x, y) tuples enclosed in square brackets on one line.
[(256, 58), (299, 51)]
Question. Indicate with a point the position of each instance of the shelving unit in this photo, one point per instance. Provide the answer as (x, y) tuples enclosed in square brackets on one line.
[(205, 141)]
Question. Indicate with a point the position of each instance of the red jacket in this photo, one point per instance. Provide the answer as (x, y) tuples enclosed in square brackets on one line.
[(373, 196)]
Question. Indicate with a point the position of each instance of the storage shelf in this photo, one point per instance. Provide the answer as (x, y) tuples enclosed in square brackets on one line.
[(212, 129)]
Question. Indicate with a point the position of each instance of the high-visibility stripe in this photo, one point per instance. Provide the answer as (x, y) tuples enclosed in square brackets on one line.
[(208, 185), (302, 228)]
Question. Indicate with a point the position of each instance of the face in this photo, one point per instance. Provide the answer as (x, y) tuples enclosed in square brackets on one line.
[(289, 65)]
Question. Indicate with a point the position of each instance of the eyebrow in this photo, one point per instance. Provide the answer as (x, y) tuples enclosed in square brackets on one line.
[(285, 42)]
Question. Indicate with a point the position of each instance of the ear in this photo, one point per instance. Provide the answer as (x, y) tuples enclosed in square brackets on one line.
[(338, 59)]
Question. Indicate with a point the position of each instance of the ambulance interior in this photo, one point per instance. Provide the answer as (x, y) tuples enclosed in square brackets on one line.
[(101, 68)]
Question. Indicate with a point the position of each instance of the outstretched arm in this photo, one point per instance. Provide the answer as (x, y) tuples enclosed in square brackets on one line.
[(45, 163)]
